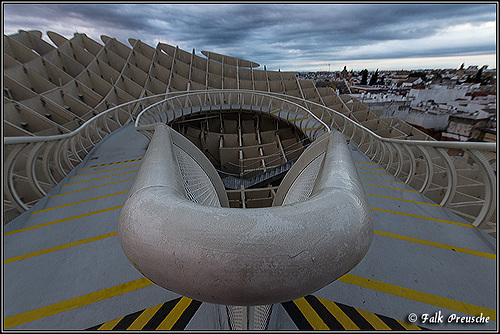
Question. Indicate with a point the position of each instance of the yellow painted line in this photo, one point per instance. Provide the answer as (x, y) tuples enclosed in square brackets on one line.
[(374, 320), (275, 111), (56, 248), (376, 174), (112, 163), (98, 178), (374, 185), (404, 200), (79, 202), (144, 317), (419, 296), (370, 168), (62, 220), (341, 317), (102, 185), (175, 314), (424, 217), (408, 326), (76, 302), (298, 118), (310, 314), (104, 171), (437, 244), (110, 324), (361, 162), (371, 178)]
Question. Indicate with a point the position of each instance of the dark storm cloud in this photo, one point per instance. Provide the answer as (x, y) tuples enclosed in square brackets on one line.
[(268, 33)]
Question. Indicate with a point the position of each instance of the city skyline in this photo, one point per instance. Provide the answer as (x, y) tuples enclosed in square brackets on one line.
[(289, 37)]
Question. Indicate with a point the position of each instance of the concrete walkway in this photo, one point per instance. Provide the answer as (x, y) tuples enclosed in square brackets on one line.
[(64, 268)]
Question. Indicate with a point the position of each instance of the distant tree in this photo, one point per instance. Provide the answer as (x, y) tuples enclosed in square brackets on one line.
[(421, 75), (479, 73), (373, 79), (364, 77)]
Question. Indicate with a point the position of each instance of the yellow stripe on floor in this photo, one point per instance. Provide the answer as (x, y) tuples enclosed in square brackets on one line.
[(79, 202), (404, 200), (374, 185), (377, 174), (110, 324), (102, 185), (76, 302), (408, 326), (143, 318), (373, 320), (423, 217), (111, 163), (370, 163), (437, 244), (98, 178), (371, 178), (370, 168), (310, 314), (56, 248), (419, 296), (341, 317), (175, 314), (62, 220), (104, 171)]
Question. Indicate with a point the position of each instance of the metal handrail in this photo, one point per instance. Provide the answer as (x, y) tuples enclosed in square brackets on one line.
[(59, 154), (285, 255), (402, 158), (203, 94), (378, 147)]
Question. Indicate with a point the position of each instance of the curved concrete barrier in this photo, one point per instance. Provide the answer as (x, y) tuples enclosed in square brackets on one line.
[(244, 256)]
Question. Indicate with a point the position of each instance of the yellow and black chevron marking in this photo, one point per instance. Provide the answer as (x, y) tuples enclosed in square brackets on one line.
[(172, 315), (312, 313)]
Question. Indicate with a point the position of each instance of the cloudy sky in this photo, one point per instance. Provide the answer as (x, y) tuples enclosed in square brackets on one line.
[(291, 37)]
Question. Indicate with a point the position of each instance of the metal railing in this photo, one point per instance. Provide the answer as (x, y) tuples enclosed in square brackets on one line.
[(454, 174), (249, 256), (34, 165), (218, 100)]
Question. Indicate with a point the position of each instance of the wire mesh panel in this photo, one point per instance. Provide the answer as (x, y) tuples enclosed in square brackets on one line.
[(249, 317), (196, 182), (303, 185)]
